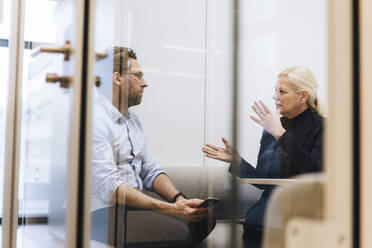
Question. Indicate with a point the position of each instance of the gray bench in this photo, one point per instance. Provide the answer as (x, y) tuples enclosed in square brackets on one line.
[(201, 182)]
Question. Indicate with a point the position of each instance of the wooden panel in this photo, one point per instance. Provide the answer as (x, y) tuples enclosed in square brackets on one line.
[(365, 13), (339, 125)]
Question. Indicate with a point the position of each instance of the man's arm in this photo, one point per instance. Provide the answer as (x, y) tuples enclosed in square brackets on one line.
[(134, 198), (182, 209), (164, 187)]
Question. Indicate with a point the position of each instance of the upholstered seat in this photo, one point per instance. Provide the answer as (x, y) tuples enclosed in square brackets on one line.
[(302, 198)]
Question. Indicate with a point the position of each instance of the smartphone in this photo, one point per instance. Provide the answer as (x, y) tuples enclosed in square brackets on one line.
[(209, 202)]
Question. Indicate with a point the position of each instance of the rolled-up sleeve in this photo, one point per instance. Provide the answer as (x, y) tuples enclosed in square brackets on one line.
[(105, 174), (149, 169)]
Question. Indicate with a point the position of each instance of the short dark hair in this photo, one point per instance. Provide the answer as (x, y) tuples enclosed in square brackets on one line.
[(121, 59), (132, 54)]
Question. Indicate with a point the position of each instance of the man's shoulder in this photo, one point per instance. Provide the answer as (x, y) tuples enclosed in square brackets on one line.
[(133, 116), (99, 111), (101, 117), (135, 121)]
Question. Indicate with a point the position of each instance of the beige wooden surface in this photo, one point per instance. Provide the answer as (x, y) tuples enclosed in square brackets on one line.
[(365, 14), (270, 181)]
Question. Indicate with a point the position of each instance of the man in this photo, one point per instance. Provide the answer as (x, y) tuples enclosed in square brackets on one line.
[(122, 164)]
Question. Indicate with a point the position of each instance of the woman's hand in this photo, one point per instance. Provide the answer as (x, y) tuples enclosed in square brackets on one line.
[(268, 120), (223, 154)]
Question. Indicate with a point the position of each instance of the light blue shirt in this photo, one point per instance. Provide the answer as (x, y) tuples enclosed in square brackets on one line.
[(120, 153)]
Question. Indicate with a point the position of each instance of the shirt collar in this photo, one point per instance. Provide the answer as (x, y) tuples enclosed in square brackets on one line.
[(111, 110)]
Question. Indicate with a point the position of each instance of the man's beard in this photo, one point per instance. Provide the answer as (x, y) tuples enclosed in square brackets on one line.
[(135, 100)]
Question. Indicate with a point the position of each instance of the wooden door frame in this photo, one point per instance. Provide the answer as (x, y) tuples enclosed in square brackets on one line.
[(365, 48), (13, 120), (12, 133)]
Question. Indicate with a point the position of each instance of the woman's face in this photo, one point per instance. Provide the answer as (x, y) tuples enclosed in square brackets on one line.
[(289, 102)]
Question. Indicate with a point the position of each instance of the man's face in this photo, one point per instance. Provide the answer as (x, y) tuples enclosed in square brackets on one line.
[(137, 84), (132, 89)]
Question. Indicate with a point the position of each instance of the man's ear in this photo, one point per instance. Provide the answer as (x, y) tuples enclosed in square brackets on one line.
[(116, 78)]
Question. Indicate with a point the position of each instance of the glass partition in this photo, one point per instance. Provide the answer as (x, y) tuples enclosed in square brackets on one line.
[(155, 144), (170, 110), (275, 36), (4, 57), (282, 106), (46, 125), (207, 131)]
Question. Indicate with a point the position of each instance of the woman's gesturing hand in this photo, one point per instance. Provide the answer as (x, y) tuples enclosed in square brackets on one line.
[(268, 120), (223, 154)]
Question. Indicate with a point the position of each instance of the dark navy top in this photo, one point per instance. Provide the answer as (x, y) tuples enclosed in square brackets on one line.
[(297, 151)]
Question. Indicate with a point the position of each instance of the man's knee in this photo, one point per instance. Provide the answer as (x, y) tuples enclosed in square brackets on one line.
[(200, 230)]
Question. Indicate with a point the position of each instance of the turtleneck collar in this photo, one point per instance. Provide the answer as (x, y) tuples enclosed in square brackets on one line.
[(301, 118)]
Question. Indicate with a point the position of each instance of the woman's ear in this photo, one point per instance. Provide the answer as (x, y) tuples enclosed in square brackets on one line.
[(304, 96), (116, 78)]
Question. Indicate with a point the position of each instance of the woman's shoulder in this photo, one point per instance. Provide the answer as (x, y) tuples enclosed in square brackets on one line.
[(318, 120)]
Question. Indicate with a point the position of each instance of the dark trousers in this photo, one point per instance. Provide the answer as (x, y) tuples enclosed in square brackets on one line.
[(128, 228), (252, 237), (254, 225)]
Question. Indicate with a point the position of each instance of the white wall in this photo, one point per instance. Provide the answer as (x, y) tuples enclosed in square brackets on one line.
[(169, 37), (275, 35)]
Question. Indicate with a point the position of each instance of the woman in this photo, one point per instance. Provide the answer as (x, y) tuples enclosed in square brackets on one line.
[(290, 145)]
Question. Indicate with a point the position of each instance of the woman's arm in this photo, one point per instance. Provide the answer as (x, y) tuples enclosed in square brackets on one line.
[(240, 167), (300, 160), (222, 154), (243, 170)]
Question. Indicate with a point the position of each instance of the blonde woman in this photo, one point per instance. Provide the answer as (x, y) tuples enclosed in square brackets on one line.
[(290, 145)]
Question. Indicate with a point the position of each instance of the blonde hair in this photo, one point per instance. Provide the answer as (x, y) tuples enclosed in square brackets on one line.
[(302, 79)]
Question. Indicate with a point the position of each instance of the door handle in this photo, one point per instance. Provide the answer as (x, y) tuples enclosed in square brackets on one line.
[(97, 81), (100, 56), (66, 50), (64, 82)]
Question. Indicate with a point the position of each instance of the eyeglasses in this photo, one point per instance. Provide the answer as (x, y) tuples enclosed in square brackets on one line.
[(139, 75)]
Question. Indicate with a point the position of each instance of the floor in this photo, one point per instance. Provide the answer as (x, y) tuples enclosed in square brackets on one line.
[(46, 236)]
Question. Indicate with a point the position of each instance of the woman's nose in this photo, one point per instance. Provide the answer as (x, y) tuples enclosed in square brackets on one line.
[(275, 96)]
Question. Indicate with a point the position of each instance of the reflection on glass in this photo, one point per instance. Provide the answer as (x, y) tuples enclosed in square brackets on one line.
[(3, 98), (4, 62), (45, 122), (123, 167), (188, 103), (275, 36)]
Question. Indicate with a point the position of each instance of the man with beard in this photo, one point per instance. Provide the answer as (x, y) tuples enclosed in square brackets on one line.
[(122, 165)]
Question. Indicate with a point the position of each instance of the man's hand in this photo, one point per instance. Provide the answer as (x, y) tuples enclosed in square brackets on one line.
[(186, 210)]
